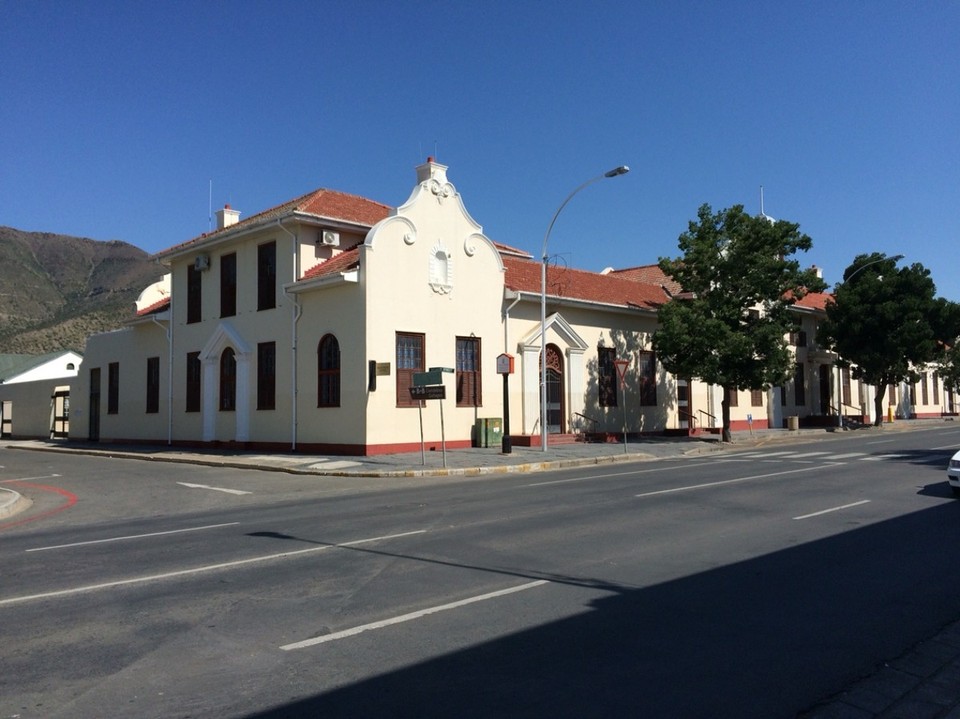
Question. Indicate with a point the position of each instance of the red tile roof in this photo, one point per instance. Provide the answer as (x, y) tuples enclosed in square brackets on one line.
[(524, 276), (343, 262), (158, 306), (815, 300), (322, 203), (508, 250), (650, 274)]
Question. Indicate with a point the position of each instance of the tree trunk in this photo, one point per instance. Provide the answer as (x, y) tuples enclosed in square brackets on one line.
[(878, 405), (726, 436)]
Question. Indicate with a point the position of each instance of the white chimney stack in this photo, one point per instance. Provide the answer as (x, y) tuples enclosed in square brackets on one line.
[(227, 217)]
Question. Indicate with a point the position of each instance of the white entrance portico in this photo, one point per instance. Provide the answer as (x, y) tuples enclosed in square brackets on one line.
[(223, 337), (561, 334)]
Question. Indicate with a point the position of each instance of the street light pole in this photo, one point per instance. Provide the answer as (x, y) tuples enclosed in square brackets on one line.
[(622, 170)]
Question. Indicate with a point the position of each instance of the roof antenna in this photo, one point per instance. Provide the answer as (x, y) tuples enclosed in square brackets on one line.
[(210, 208)]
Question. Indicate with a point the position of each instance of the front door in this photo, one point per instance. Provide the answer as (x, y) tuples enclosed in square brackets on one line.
[(684, 405), (6, 419), (60, 421), (555, 413), (825, 382)]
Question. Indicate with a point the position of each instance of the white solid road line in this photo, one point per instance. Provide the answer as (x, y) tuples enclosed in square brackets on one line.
[(727, 481), (833, 509), (131, 536), (200, 570), (30, 479), (410, 617), (616, 474), (215, 489)]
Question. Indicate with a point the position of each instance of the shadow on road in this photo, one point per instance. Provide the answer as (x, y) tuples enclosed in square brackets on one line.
[(765, 638)]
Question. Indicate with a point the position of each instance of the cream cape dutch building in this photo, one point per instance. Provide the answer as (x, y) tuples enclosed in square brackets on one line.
[(301, 328)]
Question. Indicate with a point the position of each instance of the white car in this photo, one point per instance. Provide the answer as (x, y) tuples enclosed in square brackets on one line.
[(953, 474)]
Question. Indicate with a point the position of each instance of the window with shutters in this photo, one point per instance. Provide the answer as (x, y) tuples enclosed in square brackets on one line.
[(410, 353), (266, 375), (328, 372), (193, 382), (468, 372), (607, 376), (153, 385), (647, 369)]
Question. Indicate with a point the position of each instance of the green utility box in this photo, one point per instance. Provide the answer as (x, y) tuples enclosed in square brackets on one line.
[(488, 432)]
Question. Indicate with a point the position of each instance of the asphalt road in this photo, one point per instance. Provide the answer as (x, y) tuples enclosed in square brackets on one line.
[(747, 584)]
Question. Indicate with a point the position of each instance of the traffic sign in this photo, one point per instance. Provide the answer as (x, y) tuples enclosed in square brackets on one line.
[(434, 391), (621, 365), (434, 376)]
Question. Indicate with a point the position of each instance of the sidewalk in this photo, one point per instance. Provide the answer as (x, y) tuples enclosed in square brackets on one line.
[(923, 683)]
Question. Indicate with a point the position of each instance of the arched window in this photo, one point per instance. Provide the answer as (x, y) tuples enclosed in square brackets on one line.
[(228, 380), (328, 372)]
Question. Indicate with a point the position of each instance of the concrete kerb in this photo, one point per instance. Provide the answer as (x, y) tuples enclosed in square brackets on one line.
[(207, 461), (12, 502), (696, 446)]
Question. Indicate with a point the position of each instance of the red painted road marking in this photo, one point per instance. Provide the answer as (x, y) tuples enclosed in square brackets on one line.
[(70, 497)]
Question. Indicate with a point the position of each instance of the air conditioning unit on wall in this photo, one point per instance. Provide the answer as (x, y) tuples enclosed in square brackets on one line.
[(201, 263), (329, 238)]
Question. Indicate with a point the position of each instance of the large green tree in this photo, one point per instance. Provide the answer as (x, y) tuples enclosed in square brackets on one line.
[(729, 327), (886, 321)]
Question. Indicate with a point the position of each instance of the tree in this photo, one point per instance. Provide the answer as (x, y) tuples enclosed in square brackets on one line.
[(886, 322), (729, 326), (948, 330)]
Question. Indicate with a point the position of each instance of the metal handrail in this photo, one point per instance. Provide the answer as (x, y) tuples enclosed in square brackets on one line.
[(692, 417), (589, 419)]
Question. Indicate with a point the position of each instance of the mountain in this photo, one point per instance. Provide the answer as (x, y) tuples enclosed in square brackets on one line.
[(56, 290)]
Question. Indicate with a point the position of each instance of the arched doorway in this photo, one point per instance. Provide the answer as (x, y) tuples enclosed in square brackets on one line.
[(555, 403)]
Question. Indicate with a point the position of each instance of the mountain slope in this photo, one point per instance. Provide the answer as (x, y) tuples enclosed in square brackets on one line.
[(55, 290)]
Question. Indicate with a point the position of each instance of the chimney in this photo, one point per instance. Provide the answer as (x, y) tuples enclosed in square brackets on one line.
[(818, 271), (227, 217), (432, 170)]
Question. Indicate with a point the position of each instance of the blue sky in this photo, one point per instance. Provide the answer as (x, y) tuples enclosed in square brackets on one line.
[(115, 117)]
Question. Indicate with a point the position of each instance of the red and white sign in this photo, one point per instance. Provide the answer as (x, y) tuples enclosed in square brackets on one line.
[(621, 365)]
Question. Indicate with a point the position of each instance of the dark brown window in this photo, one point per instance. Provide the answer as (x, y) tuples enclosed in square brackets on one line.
[(228, 285), (607, 376), (153, 385), (193, 382), (924, 391), (799, 386), (733, 397), (194, 293), (845, 386), (228, 380), (647, 369), (468, 372), (798, 338), (409, 361), (756, 398), (113, 388), (328, 372), (936, 389), (267, 276), (266, 375)]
